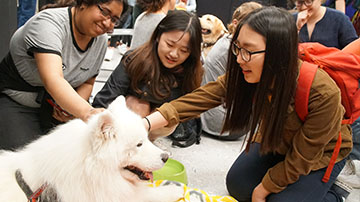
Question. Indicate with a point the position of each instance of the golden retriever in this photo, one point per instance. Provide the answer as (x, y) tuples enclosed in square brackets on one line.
[(212, 30)]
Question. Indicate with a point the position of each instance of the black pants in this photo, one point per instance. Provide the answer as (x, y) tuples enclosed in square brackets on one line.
[(249, 169), (19, 124)]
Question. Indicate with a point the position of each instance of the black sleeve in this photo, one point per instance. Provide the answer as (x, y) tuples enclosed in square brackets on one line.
[(117, 84)]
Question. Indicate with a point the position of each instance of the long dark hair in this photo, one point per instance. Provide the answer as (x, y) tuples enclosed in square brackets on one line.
[(264, 104), (144, 65)]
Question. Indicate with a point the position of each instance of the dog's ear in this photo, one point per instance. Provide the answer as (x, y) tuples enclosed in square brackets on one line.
[(224, 29), (105, 127), (117, 104)]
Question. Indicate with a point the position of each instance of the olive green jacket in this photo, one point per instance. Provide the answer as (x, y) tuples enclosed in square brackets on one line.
[(307, 146)]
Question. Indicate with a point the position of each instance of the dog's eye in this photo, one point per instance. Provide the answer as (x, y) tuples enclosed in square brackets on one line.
[(139, 144)]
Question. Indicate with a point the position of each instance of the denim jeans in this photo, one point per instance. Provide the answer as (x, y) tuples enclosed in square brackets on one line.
[(25, 11), (249, 169), (355, 153)]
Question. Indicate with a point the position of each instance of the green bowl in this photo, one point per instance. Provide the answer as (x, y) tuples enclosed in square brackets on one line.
[(173, 170)]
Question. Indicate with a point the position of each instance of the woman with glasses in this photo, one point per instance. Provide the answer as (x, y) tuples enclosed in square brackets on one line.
[(215, 66), (49, 73), (321, 24), (146, 22), (285, 159)]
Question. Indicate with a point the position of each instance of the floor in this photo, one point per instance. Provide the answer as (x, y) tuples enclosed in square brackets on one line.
[(207, 163)]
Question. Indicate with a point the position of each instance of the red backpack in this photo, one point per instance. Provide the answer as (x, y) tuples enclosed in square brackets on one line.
[(344, 68)]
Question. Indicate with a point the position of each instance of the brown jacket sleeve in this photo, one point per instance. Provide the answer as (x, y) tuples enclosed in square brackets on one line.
[(314, 140), (194, 103)]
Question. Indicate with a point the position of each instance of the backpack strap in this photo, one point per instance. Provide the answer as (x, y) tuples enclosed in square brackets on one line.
[(306, 77), (333, 158)]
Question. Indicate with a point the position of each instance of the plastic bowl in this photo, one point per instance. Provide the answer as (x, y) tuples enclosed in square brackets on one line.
[(173, 170)]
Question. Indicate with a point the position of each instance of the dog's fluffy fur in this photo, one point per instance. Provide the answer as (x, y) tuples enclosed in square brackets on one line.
[(90, 161), (212, 30)]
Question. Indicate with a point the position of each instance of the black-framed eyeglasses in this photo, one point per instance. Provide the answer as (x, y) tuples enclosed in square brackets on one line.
[(106, 13), (307, 3), (245, 54)]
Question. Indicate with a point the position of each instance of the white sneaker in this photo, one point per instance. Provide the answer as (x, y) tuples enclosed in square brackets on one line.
[(122, 48), (350, 175), (349, 168), (109, 54)]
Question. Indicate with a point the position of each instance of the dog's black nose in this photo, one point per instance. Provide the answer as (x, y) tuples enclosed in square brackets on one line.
[(164, 157)]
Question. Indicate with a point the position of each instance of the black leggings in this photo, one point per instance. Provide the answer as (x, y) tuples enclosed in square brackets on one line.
[(249, 169), (19, 124)]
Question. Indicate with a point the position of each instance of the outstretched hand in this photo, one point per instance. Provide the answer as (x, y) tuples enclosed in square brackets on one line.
[(260, 193)]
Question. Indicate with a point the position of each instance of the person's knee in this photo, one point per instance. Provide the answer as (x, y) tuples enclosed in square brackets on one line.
[(138, 106), (237, 188)]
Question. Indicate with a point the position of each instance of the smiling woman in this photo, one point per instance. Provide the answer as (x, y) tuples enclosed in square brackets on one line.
[(164, 68), (48, 75), (93, 18)]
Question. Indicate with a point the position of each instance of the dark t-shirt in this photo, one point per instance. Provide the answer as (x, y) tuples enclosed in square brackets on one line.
[(333, 30)]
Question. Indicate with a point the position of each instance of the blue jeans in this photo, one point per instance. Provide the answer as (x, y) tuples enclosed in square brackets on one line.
[(355, 153), (25, 11), (249, 169)]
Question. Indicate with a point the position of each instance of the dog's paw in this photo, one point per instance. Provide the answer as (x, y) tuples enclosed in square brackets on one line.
[(175, 192), (170, 192)]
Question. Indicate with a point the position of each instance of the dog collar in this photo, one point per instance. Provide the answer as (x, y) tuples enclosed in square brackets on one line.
[(32, 196), (205, 45)]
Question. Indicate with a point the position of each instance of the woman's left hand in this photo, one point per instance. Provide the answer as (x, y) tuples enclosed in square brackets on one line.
[(61, 116), (260, 193)]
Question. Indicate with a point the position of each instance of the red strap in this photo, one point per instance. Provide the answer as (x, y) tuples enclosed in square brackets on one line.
[(332, 160), (53, 104), (37, 193), (306, 77)]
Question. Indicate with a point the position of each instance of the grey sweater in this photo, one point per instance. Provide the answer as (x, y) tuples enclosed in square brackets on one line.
[(144, 26)]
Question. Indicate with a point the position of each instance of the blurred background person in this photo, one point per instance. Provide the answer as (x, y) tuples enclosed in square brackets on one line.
[(188, 5), (215, 66), (146, 22)]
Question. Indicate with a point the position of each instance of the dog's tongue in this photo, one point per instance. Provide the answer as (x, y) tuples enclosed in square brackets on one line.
[(149, 175)]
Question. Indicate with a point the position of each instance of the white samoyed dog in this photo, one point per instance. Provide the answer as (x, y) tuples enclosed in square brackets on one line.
[(107, 159)]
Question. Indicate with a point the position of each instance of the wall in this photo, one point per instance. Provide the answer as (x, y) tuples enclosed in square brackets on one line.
[(8, 24)]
